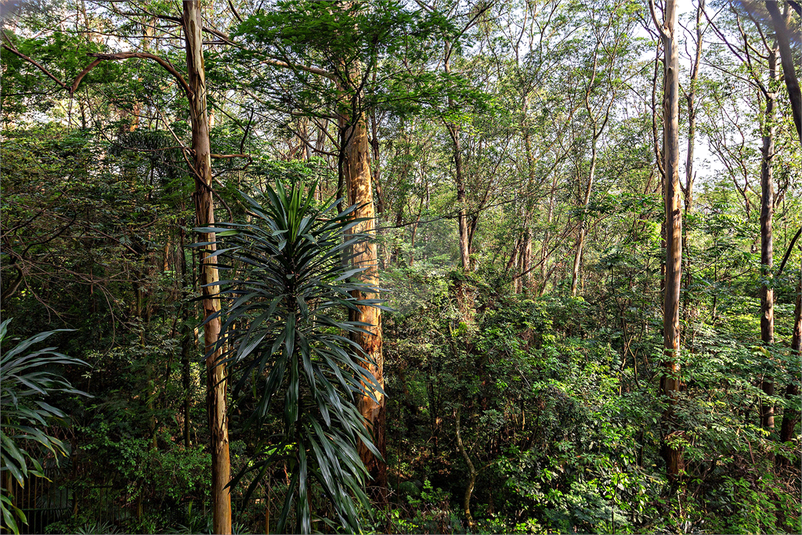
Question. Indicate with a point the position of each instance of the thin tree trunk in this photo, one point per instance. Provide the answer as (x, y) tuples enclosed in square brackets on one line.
[(766, 238), (414, 234), (690, 99), (462, 212), (472, 473), (544, 252), (790, 416), (459, 177), (526, 260), (204, 209), (187, 344), (687, 188), (580, 241), (670, 381)]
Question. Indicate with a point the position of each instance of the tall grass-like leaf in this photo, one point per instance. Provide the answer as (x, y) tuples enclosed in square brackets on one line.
[(289, 300), (25, 378)]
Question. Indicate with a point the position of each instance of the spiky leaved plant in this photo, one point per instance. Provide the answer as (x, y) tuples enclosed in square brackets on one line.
[(27, 377), (286, 333)]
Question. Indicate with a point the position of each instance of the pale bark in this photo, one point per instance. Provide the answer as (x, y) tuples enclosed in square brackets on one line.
[(670, 382), (204, 209), (690, 98), (580, 240), (690, 177)]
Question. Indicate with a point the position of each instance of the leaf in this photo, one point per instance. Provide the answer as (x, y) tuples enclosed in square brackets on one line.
[(290, 292)]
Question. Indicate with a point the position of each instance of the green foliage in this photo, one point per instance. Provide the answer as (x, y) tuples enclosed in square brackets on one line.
[(284, 330), (28, 376)]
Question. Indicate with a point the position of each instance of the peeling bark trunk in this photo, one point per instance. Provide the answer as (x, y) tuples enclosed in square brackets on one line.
[(357, 179), (204, 209), (670, 382)]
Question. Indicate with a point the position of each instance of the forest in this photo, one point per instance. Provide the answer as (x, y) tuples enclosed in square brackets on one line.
[(401, 266)]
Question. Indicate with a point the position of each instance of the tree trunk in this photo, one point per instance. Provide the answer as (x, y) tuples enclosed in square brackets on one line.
[(789, 72), (544, 253), (766, 238), (459, 177), (204, 209), (690, 99), (580, 241), (670, 381), (472, 473), (790, 416), (187, 343), (462, 213), (690, 178), (357, 178), (526, 260)]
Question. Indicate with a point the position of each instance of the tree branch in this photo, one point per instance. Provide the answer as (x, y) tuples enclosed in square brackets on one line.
[(34, 63), (141, 55), (312, 70)]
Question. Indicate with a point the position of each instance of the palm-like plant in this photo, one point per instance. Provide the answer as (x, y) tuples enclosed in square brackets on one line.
[(289, 307), (27, 376)]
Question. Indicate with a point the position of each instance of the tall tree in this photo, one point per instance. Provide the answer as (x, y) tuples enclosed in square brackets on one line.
[(602, 83), (768, 128), (333, 50), (204, 210), (195, 89), (670, 381)]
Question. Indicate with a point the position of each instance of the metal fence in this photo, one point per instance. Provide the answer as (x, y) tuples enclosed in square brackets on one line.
[(41, 500)]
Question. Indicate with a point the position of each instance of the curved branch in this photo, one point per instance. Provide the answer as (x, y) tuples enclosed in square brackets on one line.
[(787, 61), (35, 64), (80, 77), (128, 55)]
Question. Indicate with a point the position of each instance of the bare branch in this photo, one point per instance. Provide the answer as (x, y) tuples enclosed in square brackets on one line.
[(34, 63)]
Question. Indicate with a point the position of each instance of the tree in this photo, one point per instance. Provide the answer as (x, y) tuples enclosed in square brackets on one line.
[(204, 211), (670, 383), (334, 49), (289, 293), (608, 51), (195, 89), (762, 63)]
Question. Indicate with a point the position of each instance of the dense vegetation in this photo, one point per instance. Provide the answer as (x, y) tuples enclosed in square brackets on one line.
[(444, 220)]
